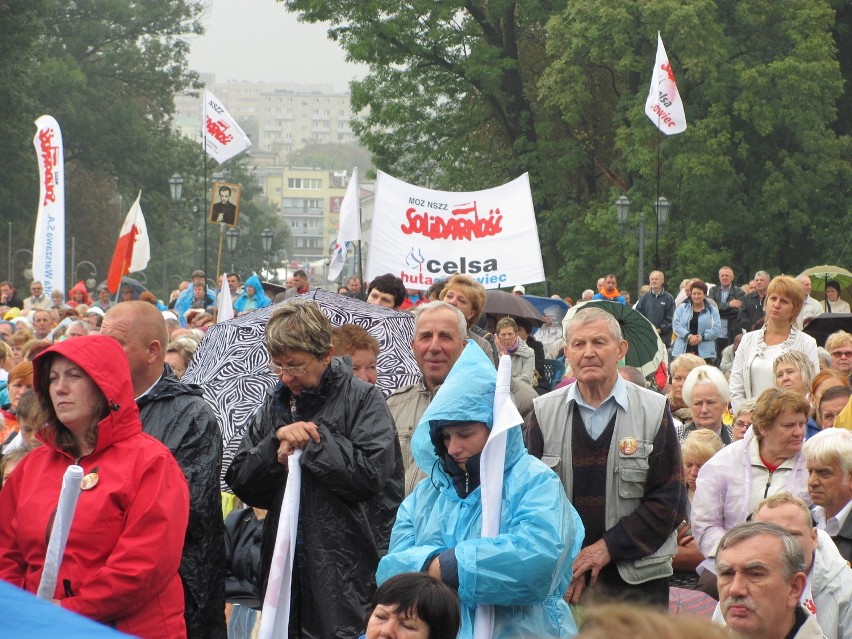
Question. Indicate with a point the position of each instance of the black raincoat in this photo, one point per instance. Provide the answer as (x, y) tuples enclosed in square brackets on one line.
[(177, 415), (352, 484)]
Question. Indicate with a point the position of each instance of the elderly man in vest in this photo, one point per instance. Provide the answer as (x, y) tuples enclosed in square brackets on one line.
[(615, 447)]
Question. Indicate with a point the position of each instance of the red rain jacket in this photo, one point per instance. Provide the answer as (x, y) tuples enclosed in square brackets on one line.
[(121, 562)]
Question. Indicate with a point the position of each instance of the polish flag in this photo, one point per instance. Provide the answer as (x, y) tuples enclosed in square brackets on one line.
[(133, 249), (350, 228)]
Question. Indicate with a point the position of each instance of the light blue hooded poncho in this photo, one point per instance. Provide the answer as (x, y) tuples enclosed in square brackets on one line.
[(523, 572), (260, 300)]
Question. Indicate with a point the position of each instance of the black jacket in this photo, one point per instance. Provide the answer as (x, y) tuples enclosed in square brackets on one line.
[(352, 484), (750, 312), (177, 415), (726, 312), (843, 540), (658, 308), (243, 534)]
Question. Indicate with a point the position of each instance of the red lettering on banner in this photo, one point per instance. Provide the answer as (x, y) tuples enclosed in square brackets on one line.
[(667, 67), (436, 227), (49, 161), (664, 116), (219, 130)]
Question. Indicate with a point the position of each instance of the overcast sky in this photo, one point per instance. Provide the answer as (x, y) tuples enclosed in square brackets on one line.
[(259, 40)]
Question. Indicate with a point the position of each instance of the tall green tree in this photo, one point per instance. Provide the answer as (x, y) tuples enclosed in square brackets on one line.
[(468, 93), (107, 71)]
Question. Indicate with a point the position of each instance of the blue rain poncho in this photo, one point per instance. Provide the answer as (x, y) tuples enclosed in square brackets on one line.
[(244, 302), (526, 569)]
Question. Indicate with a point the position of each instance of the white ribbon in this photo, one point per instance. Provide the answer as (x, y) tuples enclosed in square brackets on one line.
[(275, 617)]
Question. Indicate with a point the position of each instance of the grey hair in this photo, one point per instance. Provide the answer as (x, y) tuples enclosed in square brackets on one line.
[(705, 374), (299, 325), (632, 374), (591, 314), (830, 446), (768, 276), (84, 325), (792, 555), (747, 407), (824, 358), (437, 305), (802, 363)]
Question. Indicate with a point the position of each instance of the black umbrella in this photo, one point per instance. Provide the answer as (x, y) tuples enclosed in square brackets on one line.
[(824, 325), (137, 286), (501, 303), (231, 361)]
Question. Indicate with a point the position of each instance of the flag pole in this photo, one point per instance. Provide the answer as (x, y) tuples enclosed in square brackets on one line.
[(656, 213), (219, 259)]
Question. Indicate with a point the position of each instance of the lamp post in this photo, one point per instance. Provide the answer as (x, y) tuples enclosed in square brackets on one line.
[(266, 237), (661, 210), (231, 237), (91, 281), (15, 258)]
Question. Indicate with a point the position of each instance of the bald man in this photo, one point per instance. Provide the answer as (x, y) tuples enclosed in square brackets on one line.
[(178, 416)]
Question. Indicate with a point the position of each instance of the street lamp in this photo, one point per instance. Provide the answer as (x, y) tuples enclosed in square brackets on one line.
[(661, 210), (231, 237), (15, 259), (91, 281), (176, 187), (622, 209), (266, 237)]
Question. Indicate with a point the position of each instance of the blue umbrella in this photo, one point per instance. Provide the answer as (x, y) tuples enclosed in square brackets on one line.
[(25, 616)]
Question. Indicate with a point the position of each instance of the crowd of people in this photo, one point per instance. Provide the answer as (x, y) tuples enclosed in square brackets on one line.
[(731, 481)]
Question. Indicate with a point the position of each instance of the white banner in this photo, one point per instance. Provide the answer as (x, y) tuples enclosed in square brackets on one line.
[(421, 235), (663, 106), (49, 240), (68, 496), (223, 137)]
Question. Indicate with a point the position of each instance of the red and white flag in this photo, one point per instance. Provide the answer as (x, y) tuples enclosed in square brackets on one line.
[(223, 137), (133, 249), (664, 106)]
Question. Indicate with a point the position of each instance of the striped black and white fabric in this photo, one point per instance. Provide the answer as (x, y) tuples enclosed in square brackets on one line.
[(231, 361)]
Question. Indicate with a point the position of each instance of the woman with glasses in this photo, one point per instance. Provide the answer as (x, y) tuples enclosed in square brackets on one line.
[(351, 473)]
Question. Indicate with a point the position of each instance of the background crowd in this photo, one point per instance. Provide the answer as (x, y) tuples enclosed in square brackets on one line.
[(616, 485)]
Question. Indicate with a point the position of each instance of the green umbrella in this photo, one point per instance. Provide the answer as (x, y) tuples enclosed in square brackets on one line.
[(645, 350), (822, 275)]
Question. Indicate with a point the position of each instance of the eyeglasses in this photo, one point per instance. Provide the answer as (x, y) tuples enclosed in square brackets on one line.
[(842, 354), (740, 425), (293, 371)]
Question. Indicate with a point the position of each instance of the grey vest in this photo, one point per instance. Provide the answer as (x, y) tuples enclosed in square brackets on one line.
[(626, 473)]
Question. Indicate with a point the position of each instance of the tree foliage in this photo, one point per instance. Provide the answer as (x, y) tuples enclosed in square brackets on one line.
[(467, 94), (107, 70)]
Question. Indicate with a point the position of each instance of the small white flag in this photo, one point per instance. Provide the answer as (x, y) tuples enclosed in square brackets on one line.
[(664, 107), (350, 227), (223, 137), (226, 304)]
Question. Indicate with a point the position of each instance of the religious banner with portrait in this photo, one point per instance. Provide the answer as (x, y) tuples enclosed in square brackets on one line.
[(224, 203)]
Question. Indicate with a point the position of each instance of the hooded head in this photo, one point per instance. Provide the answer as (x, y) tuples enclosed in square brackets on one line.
[(102, 358), (466, 396)]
